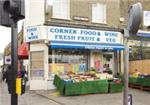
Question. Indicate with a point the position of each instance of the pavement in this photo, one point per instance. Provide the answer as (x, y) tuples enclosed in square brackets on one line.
[(139, 98), (29, 98), (52, 97)]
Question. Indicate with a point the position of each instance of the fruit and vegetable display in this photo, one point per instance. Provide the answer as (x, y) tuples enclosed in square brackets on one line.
[(137, 74), (89, 82), (86, 76)]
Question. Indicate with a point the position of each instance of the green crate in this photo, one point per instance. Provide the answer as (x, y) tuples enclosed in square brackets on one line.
[(98, 86), (56, 80), (140, 81), (115, 87), (59, 83), (87, 87), (132, 80), (73, 89), (146, 82), (102, 86), (61, 86)]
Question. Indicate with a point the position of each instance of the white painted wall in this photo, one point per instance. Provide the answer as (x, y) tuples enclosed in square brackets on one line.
[(35, 12), (40, 84)]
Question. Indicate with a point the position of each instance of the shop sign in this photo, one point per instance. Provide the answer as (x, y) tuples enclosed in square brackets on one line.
[(146, 18), (8, 60), (32, 33), (65, 34)]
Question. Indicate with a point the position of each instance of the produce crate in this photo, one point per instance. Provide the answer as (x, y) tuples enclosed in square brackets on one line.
[(98, 86), (132, 80), (72, 89), (101, 86), (56, 80), (140, 81), (86, 87), (59, 83), (146, 82), (115, 87), (61, 86)]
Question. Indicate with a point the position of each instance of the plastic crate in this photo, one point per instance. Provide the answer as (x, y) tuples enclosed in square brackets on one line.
[(73, 89), (146, 82), (132, 80), (115, 87)]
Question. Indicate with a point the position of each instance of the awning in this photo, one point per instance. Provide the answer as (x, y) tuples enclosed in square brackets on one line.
[(143, 34), (23, 51), (76, 45)]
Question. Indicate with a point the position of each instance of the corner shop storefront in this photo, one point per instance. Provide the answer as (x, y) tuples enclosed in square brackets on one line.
[(64, 49)]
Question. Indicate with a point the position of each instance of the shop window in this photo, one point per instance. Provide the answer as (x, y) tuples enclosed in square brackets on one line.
[(99, 13), (70, 56), (37, 65), (139, 53), (61, 9), (50, 55), (64, 60)]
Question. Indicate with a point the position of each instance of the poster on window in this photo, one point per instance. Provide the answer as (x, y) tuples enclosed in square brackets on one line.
[(97, 64), (37, 73)]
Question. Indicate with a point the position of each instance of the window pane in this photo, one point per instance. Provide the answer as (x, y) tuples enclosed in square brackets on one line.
[(68, 60), (61, 9), (99, 13)]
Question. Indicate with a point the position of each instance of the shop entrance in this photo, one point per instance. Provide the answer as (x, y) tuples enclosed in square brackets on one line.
[(108, 59)]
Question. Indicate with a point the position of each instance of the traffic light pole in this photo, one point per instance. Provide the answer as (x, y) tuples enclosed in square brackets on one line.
[(14, 61)]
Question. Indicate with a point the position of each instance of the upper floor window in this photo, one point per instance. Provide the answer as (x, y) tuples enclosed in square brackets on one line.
[(99, 13), (60, 8)]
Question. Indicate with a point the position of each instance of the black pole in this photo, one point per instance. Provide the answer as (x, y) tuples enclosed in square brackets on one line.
[(14, 61)]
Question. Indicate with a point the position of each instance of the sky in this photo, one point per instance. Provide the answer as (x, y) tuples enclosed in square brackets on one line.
[(5, 34)]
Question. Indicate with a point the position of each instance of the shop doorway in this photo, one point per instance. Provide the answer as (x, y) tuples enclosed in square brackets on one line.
[(108, 58)]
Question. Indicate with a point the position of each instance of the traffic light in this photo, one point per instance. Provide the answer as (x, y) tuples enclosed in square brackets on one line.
[(15, 7), (4, 16)]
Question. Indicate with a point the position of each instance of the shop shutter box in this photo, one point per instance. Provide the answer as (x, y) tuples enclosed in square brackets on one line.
[(115, 87)]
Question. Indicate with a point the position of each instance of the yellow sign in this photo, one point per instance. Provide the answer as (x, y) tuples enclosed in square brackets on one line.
[(18, 86)]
